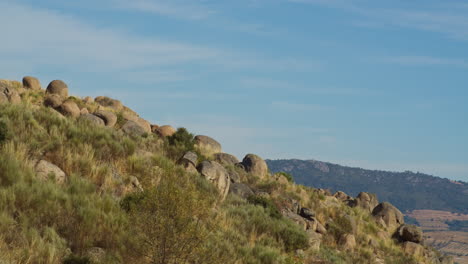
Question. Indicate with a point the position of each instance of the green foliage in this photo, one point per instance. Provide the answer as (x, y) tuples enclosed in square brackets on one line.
[(288, 176), (266, 203), (179, 143)]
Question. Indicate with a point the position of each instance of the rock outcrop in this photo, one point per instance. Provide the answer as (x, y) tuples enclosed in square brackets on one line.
[(216, 174), (53, 100), (255, 165), (93, 119), (166, 131), (207, 145), (9, 95), (58, 87), (109, 102), (409, 233), (388, 215), (133, 128), (367, 201), (241, 190), (189, 161), (31, 83), (225, 159), (110, 119), (69, 108), (46, 171)]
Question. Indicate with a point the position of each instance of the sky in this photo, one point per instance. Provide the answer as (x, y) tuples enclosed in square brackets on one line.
[(373, 84)]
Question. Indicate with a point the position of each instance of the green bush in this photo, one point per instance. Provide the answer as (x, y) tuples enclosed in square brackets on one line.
[(266, 203), (288, 176)]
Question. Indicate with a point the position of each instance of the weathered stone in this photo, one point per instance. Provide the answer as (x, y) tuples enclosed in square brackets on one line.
[(110, 119), (9, 95), (93, 119), (315, 240), (307, 213), (144, 124), (342, 196), (46, 170), (410, 233), (207, 145), (388, 214), (241, 190), (189, 161), (132, 185), (109, 102), (88, 100), (413, 249), (154, 128), (216, 174), (53, 100), (58, 87), (234, 176), (320, 228), (347, 241), (166, 131), (84, 111), (367, 201), (295, 218), (133, 128), (31, 83), (95, 254), (255, 165), (69, 108), (225, 159)]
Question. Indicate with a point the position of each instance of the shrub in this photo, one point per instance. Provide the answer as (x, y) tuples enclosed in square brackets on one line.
[(269, 206), (73, 259), (288, 176)]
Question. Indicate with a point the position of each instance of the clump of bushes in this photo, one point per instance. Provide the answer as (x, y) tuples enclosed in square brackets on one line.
[(288, 176)]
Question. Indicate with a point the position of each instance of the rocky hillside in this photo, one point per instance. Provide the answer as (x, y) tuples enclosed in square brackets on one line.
[(406, 190), (86, 180)]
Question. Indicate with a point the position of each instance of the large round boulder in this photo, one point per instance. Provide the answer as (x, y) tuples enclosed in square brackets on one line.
[(410, 233), (255, 165), (70, 108), (166, 131), (46, 170), (110, 119), (367, 201), (9, 95), (225, 158), (413, 249), (53, 100), (93, 119), (347, 241), (241, 190), (31, 83), (216, 174), (133, 128), (144, 124), (189, 161), (207, 145), (109, 102), (58, 87), (388, 215)]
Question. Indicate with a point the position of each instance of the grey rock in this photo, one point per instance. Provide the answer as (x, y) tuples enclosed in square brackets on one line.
[(241, 190), (225, 159), (216, 174), (58, 87)]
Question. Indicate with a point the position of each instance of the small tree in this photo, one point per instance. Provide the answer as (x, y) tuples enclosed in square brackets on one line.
[(171, 222)]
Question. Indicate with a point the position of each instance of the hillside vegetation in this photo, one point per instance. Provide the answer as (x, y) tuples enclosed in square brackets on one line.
[(406, 190), (87, 180)]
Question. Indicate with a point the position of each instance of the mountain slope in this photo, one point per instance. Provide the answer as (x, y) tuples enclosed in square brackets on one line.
[(406, 190)]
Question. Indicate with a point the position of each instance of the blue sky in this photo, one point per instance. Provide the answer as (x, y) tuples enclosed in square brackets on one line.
[(375, 84)]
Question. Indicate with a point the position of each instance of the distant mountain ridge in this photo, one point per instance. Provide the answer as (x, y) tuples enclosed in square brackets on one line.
[(407, 190)]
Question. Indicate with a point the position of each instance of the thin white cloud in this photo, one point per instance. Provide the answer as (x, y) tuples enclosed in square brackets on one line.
[(190, 10), (451, 21)]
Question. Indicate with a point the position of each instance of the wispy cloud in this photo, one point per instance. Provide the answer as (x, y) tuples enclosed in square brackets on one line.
[(190, 10), (451, 21), (425, 61)]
